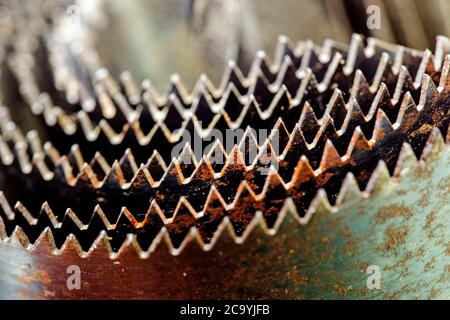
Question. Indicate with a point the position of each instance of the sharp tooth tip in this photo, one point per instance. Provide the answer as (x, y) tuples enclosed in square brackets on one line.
[(175, 77), (283, 38), (261, 54), (102, 73)]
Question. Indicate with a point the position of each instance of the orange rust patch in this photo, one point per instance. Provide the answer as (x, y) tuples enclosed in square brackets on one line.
[(38, 276), (363, 266), (340, 289), (392, 211), (395, 237), (431, 217)]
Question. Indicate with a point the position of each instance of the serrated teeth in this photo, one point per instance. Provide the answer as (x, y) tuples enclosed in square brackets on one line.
[(273, 187), (342, 121), (383, 73), (216, 213)]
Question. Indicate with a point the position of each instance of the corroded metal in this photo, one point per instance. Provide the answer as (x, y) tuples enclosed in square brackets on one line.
[(402, 228), (101, 193)]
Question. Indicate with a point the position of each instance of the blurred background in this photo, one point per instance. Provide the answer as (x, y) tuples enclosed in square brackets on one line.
[(156, 38)]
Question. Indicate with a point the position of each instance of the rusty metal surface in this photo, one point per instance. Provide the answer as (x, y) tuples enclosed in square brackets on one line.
[(402, 227), (299, 227), (180, 201)]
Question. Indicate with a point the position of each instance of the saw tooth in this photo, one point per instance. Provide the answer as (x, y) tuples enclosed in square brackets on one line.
[(303, 173), (308, 123), (261, 65), (308, 56), (383, 127), (408, 113), (321, 105), (102, 76), (128, 165), (105, 102), (156, 166), (235, 159), (202, 108), (334, 68), (76, 158), (286, 76), (434, 146), (331, 134), (117, 138), (131, 88), (360, 87), (349, 191), (336, 108), (212, 219), (243, 209), (330, 158), (284, 48), (383, 102), (243, 193), (142, 181), (203, 171), (404, 84), (378, 180), (99, 165), (22, 156), (86, 178), (428, 92), (356, 50), (234, 75), (358, 144), (151, 95), (279, 135), (115, 179), (217, 156), (63, 170), (383, 68), (6, 154), (174, 174), (260, 89), (426, 67), (181, 223), (248, 146), (406, 160), (444, 83), (353, 117)]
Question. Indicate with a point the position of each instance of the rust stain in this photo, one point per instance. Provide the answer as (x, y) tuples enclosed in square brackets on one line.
[(430, 265), (37, 276), (392, 211), (340, 289), (395, 236)]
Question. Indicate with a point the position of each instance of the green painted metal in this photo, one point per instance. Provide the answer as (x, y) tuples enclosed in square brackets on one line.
[(403, 229)]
